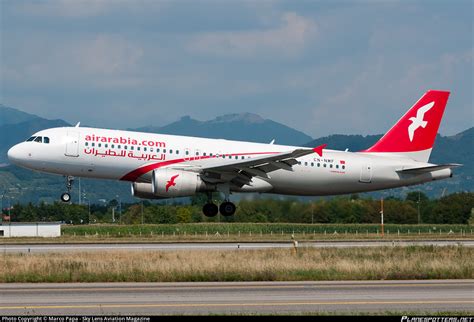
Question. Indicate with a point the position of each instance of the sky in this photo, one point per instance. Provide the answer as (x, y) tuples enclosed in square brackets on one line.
[(322, 67)]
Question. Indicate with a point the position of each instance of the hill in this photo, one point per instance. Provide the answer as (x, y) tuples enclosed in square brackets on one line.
[(241, 127), (9, 115)]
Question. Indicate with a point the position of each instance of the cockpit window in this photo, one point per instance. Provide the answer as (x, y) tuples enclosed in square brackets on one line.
[(31, 139), (39, 139), (46, 140)]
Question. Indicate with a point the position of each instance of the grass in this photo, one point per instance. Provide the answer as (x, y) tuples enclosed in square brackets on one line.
[(413, 262), (259, 228), (248, 232)]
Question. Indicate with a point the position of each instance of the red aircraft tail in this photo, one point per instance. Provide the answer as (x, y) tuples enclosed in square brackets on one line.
[(414, 134)]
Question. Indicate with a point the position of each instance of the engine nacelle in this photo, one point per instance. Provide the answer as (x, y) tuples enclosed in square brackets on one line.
[(168, 183), (143, 190)]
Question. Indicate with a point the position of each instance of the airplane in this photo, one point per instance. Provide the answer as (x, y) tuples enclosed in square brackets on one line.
[(165, 166)]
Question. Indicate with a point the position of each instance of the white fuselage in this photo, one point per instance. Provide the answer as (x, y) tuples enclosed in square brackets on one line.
[(130, 156)]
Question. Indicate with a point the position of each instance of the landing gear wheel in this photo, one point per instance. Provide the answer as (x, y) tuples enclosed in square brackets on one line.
[(210, 210), (227, 208), (66, 197)]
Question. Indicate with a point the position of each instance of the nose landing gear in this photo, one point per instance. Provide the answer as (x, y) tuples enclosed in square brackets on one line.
[(66, 197)]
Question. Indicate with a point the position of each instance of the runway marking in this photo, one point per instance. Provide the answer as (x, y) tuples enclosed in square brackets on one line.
[(223, 304), (181, 287)]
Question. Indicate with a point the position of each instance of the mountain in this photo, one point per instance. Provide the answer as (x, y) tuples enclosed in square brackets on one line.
[(241, 127), (10, 115)]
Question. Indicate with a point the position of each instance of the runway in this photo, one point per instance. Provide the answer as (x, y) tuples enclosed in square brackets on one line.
[(44, 248), (237, 297)]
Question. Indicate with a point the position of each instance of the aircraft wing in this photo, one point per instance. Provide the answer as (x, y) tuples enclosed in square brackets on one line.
[(241, 172)]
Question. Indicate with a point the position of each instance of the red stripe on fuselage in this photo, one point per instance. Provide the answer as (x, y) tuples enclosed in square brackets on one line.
[(135, 174)]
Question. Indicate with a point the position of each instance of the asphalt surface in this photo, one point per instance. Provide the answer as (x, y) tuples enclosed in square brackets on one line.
[(44, 248), (237, 298)]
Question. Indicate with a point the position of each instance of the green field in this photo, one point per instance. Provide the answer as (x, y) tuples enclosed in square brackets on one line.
[(247, 229)]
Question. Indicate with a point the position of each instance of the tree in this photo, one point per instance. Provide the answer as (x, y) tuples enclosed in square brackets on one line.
[(184, 214), (416, 195), (453, 209)]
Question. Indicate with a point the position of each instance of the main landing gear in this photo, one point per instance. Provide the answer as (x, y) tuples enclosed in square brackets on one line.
[(210, 209), (66, 197)]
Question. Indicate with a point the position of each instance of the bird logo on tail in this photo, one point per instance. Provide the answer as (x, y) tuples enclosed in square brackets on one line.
[(418, 121)]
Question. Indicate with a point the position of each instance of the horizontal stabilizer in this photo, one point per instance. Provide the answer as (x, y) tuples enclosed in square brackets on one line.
[(430, 168)]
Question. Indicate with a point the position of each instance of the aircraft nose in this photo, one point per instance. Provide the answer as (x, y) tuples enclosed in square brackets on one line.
[(14, 154)]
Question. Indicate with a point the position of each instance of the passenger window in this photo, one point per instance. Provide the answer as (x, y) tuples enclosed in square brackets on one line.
[(330, 166), (343, 167), (118, 146), (312, 164), (93, 144), (319, 164), (187, 152), (236, 157), (177, 151), (171, 151), (99, 145), (106, 145), (131, 147), (151, 150), (113, 146), (306, 164), (31, 139), (39, 139), (144, 149), (46, 140), (87, 143), (337, 166), (158, 150), (125, 147), (324, 164), (204, 154), (242, 157), (138, 148)]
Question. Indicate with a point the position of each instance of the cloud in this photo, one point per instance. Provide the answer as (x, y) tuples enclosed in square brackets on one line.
[(288, 39), (103, 60), (64, 8), (105, 55)]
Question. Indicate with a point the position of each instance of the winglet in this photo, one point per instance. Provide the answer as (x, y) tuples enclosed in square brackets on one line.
[(319, 149)]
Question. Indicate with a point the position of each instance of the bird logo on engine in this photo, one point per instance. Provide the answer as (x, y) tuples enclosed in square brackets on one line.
[(171, 182)]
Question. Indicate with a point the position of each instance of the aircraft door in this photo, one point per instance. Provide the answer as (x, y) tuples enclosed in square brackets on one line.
[(366, 173), (72, 144)]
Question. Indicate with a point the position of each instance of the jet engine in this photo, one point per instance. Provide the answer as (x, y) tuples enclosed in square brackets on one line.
[(167, 183), (143, 190)]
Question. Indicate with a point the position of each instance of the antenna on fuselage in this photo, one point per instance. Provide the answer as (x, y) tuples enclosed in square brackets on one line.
[(273, 141), (78, 123)]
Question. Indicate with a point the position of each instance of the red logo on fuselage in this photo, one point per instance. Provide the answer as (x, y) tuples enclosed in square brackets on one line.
[(171, 182)]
